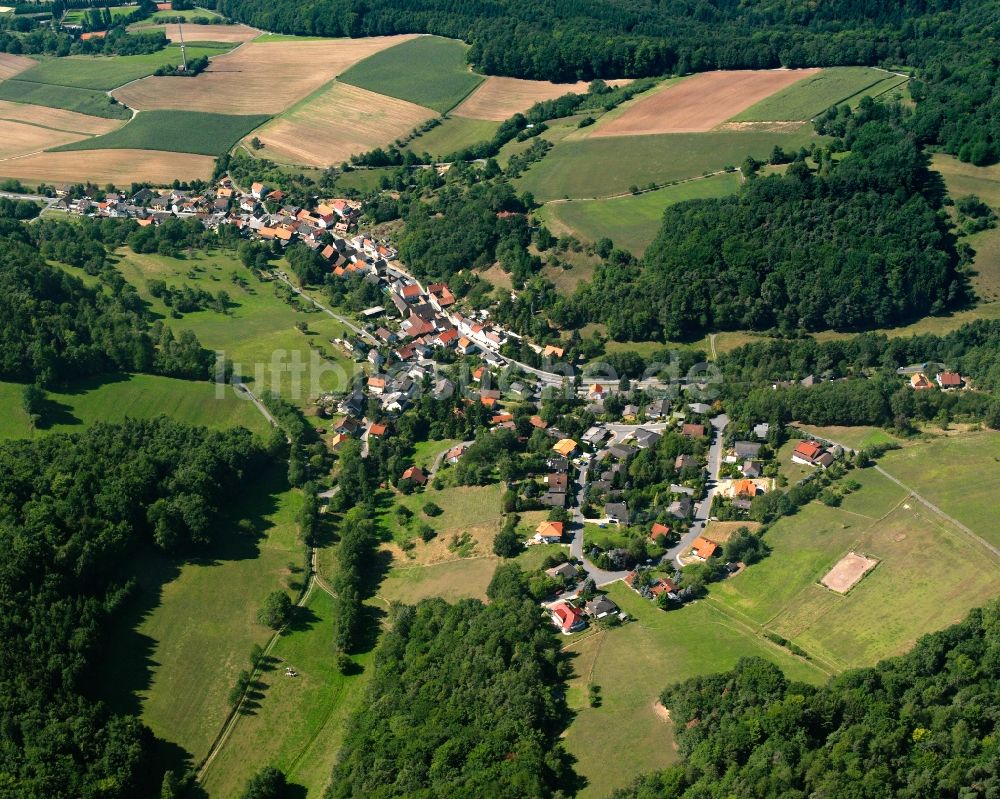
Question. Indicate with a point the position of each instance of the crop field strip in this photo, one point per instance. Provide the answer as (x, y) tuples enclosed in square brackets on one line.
[(120, 167), (428, 71), (174, 131), (255, 78), (206, 33), (697, 104), (498, 98), (337, 122), (11, 65)]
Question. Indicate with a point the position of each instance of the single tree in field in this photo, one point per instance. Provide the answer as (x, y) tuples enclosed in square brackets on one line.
[(276, 610), (33, 401), (268, 783)]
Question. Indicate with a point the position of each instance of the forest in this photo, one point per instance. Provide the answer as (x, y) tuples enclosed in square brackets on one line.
[(73, 509), (857, 244), (915, 726), (465, 700), (957, 87)]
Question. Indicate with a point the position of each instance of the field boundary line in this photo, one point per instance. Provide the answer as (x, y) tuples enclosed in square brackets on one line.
[(565, 200), (965, 529)]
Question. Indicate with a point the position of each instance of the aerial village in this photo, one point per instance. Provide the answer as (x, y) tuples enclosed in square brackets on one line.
[(634, 496)]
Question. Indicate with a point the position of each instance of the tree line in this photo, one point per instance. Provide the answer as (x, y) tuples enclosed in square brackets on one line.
[(909, 727)]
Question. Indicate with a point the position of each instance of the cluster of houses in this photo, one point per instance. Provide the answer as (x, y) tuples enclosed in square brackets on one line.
[(572, 617), (946, 381)]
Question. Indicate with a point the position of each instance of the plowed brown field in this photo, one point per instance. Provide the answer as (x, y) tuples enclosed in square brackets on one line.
[(699, 103), (206, 33), (257, 78), (57, 118), (497, 99), (10, 65)]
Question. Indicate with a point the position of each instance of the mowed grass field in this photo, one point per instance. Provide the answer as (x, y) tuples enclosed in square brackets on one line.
[(299, 723), (633, 221), (174, 131), (429, 71), (258, 331), (625, 737), (499, 98), (335, 123), (814, 94), (56, 119), (603, 167), (108, 72), (188, 631), (928, 576), (453, 134), (75, 16), (959, 473), (115, 398)]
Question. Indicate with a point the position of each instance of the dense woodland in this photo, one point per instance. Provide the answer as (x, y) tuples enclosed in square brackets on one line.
[(951, 43), (465, 701), (73, 509), (916, 726), (56, 328)]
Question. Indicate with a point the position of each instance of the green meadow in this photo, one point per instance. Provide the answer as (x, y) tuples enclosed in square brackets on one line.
[(633, 221), (109, 72), (452, 135), (83, 101), (175, 131), (115, 398), (608, 166), (812, 96), (429, 71)]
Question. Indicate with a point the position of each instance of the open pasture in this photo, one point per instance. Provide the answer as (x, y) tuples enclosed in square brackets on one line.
[(698, 103), (120, 167), (453, 134), (336, 123), (815, 93), (608, 166), (11, 65), (631, 221), (206, 33), (175, 131), (498, 98), (56, 118), (429, 71), (108, 72), (257, 78)]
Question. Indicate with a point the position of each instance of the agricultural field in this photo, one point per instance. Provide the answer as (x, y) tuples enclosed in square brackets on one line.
[(120, 167), (631, 221), (696, 104), (258, 334), (814, 94), (429, 71), (337, 122), (188, 631), (580, 168), (206, 33), (175, 131), (197, 11), (499, 98), (75, 16), (104, 73), (257, 78), (81, 101), (299, 723), (56, 119), (11, 65), (21, 138), (959, 473), (896, 602), (115, 398), (452, 135), (632, 664)]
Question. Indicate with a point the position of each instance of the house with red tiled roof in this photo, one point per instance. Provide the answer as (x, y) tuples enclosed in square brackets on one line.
[(415, 475), (807, 453), (377, 430), (567, 618), (693, 430), (539, 422), (949, 380), (657, 530), (919, 382), (549, 533), (703, 548)]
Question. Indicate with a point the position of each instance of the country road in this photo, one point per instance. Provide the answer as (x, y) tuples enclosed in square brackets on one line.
[(343, 320)]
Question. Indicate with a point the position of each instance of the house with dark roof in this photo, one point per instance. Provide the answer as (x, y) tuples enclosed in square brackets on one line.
[(600, 606), (617, 512), (645, 439), (747, 449)]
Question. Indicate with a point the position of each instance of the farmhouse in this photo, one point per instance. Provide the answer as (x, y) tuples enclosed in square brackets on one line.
[(949, 381), (415, 475), (809, 453), (919, 382)]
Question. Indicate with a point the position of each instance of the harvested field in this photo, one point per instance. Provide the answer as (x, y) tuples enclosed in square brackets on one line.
[(497, 99), (699, 103), (336, 123), (849, 569), (19, 138), (257, 78), (56, 118), (120, 167), (10, 65), (207, 33)]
